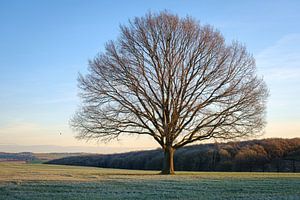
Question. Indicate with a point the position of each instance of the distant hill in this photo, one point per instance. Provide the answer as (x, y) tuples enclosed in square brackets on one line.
[(14, 148), (23, 156), (34, 157), (254, 155)]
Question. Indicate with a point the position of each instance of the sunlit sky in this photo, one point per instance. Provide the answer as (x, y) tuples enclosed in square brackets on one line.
[(44, 44)]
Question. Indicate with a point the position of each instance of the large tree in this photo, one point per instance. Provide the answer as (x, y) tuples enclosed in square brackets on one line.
[(174, 80)]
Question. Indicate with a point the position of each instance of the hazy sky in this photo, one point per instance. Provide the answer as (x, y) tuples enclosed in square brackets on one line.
[(44, 44)]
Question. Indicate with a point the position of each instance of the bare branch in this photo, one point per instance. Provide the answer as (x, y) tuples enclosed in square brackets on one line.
[(172, 79)]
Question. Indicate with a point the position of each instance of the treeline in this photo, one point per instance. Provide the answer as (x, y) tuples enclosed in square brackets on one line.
[(34, 157), (23, 156), (281, 155)]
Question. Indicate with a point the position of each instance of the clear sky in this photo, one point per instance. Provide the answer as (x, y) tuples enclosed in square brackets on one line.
[(44, 44)]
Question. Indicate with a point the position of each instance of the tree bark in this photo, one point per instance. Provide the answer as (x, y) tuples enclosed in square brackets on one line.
[(168, 167)]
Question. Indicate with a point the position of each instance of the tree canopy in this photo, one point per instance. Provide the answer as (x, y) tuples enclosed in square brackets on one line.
[(173, 79)]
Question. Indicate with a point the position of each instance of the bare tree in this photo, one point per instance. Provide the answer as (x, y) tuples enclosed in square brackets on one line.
[(172, 79)]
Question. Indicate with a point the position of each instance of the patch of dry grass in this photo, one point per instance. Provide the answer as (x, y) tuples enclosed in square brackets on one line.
[(10, 172), (41, 181)]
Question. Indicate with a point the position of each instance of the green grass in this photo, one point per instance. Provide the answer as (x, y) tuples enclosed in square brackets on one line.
[(39, 181)]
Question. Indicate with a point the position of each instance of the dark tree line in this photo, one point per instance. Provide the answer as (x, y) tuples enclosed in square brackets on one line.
[(254, 155)]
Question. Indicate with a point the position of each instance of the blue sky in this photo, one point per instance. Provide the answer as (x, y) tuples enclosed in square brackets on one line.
[(44, 44)]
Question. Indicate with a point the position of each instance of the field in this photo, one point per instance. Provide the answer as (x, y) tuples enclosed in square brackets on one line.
[(40, 181)]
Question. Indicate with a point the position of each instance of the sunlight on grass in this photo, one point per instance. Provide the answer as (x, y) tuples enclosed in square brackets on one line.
[(40, 181), (26, 172)]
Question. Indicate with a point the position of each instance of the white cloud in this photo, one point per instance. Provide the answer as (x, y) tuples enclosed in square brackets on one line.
[(280, 66), (281, 61)]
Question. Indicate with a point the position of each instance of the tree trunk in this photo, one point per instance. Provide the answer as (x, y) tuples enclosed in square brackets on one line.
[(168, 167)]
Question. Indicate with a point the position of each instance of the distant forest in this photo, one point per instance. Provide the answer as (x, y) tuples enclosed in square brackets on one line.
[(266, 155)]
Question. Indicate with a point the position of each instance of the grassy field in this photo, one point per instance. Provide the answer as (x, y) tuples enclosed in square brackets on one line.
[(40, 181)]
